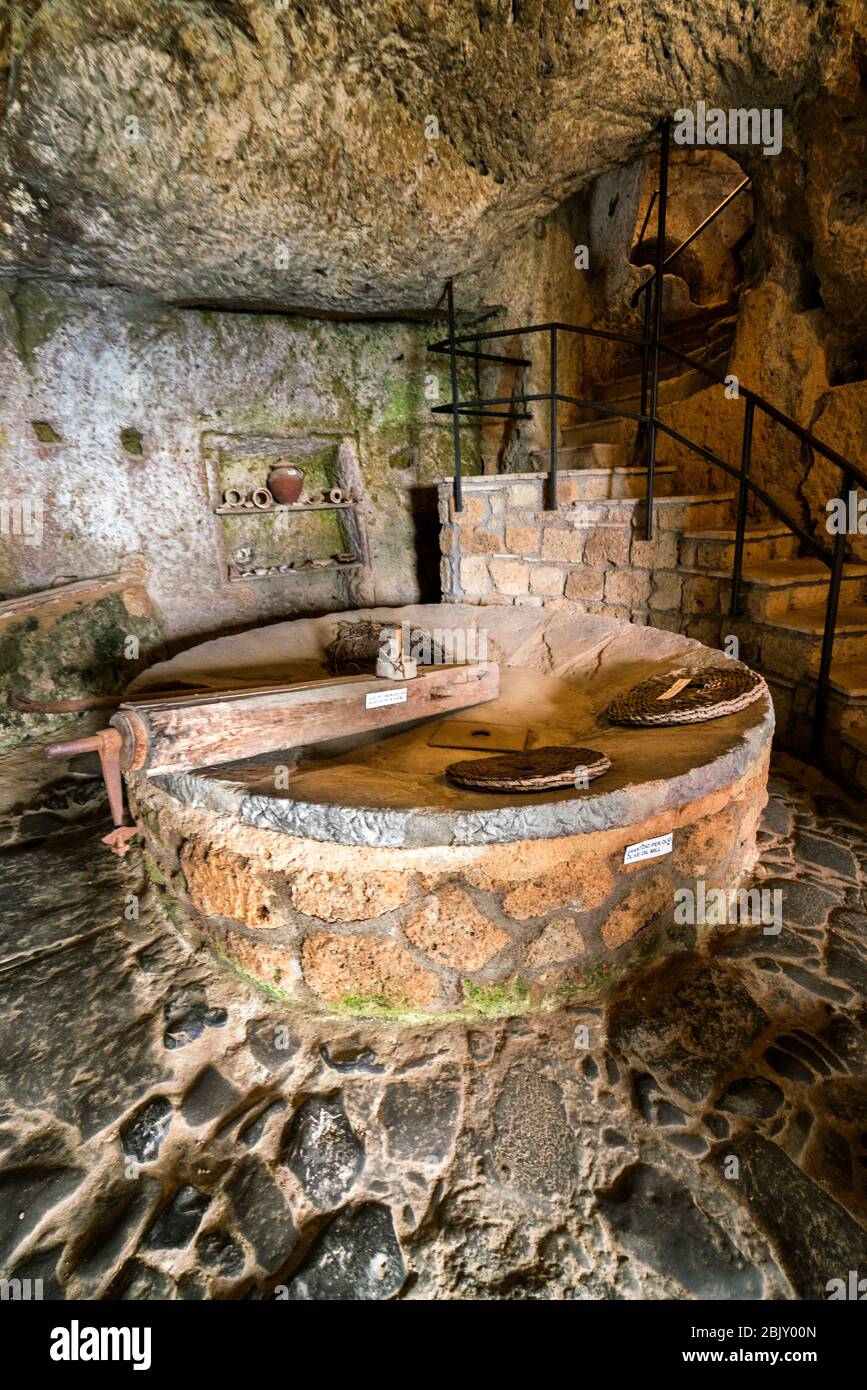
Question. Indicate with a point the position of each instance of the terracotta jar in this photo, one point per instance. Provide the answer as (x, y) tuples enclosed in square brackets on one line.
[(285, 482)]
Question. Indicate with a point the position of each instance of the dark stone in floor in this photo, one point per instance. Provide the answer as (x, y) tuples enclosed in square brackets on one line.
[(142, 1136), (118, 1216), (357, 1257), (847, 1101), (271, 1045), (823, 989), (187, 1015), (843, 964), (752, 1096), (138, 1282), (419, 1117), (784, 1064), (777, 818), (718, 1126), (811, 1055), (815, 1239), (26, 1195), (322, 1150), (804, 903), (211, 1095), (250, 1134), (743, 943), (178, 1222), (532, 1148), (693, 1144), (667, 1114), (38, 825), (828, 854), (351, 1059), (262, 1213), (658, 1221), (218, 1251), (690, 1023), (42, 1267)]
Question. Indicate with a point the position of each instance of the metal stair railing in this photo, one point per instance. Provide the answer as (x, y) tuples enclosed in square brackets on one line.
[(653, 346)]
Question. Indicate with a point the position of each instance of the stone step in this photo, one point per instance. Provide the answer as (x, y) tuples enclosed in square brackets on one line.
[(854, 754), (779, 587), (601, 431), (686, 512), (588, 484), (715, 550), (850, 679), (856, 737), (791, 643), (626, 383), (573, 456)]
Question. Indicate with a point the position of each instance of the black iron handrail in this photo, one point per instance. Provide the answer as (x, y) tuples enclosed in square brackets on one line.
[(647, 417), (805, 435), (696, 231), (833, 559)]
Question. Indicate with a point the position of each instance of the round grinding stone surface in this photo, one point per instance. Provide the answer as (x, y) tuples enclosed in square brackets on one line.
[(559, 672)]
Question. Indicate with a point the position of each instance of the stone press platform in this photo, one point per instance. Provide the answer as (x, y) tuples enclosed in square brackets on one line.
[(352, 877)]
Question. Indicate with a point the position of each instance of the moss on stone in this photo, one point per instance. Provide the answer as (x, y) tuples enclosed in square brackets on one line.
[(37, 317), (69, 655), (498, 1001), (596, 981), (372, 1004), (131, 441), (46, 433), (153, 870), (272, 990)]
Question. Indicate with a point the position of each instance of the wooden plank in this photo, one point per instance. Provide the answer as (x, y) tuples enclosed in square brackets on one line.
[(204, 731), (492, 738)]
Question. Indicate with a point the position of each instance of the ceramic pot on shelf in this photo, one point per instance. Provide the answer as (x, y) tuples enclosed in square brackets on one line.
[(285, 482)]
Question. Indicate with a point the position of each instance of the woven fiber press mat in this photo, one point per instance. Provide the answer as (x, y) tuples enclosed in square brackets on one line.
[(688, 697), (535, 771)]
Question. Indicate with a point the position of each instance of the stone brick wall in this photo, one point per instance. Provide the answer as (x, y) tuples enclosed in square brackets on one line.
[(589, 555), (462, 931)]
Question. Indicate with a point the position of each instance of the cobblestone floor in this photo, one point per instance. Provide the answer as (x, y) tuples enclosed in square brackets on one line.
[(167, 1133)]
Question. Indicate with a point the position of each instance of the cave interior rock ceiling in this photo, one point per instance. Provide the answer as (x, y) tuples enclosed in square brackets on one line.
[(242, 152)]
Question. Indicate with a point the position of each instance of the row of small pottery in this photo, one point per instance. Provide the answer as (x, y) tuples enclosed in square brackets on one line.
[(244, 566), (285, 483)]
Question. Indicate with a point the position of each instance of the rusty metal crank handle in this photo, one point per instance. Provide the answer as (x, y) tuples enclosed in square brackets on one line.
[(107, 743)]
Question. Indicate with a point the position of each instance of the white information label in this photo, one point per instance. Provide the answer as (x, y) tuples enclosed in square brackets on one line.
[(675, 689), (385, 697), (649, 849)]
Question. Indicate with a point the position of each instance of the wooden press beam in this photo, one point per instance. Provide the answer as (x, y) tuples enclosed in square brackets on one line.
[(205, 729)]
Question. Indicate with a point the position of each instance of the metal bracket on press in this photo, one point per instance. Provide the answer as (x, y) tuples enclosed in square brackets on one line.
[(108, 744)]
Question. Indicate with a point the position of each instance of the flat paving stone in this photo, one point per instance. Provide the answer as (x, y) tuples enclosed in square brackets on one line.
[(168, 1132)]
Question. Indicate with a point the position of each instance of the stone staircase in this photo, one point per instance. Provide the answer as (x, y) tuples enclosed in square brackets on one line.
[(706, 335), (590, 554)]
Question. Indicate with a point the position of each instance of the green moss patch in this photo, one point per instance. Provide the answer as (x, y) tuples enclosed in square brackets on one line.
[(498, 1001)]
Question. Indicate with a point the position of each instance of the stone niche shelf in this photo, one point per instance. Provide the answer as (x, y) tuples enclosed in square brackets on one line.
[(264, 538), (286, 507), (300, 573)]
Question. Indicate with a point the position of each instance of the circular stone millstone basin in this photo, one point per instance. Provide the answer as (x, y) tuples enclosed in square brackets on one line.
[(354, 877)]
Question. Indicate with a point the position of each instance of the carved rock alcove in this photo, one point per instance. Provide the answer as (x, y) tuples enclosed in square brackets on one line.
[(313, 538)]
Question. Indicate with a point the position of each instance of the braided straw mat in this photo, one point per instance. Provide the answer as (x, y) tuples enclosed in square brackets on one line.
[(534, 771), (709, 694)]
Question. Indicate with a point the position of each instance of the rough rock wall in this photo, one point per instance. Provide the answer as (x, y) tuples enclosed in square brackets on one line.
[(111, 414), (177, 147), (270, 155)]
